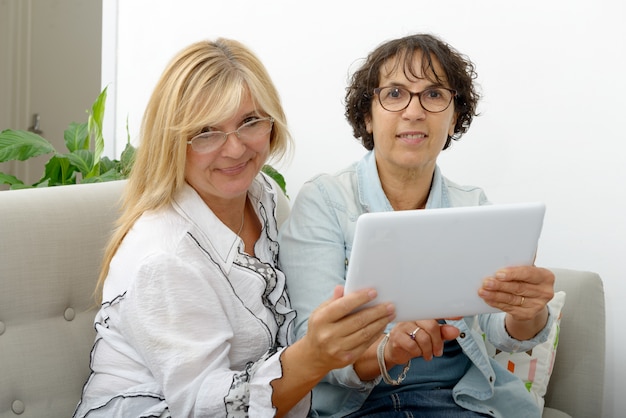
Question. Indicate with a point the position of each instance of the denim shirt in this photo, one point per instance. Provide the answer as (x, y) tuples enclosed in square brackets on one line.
[(315, 245)]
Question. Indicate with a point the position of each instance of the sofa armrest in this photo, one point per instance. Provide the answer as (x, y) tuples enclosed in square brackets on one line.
[(577, 383)]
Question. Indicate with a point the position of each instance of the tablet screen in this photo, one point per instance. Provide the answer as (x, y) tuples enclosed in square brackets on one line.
[(432, 262)]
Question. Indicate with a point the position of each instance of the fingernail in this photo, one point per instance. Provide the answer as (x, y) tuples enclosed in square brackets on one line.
[(488, 284), (500, 275)]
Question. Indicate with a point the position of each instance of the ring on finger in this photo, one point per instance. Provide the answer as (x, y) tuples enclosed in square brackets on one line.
[(415, 331)]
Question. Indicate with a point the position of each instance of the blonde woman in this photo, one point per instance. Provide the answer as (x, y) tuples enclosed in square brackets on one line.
[(195, 319)]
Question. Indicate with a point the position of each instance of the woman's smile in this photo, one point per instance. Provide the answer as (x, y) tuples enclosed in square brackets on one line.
[(412, 137), (234, 170)]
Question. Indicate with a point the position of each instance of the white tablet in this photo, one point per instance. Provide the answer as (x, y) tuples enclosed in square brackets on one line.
[(431, 263)]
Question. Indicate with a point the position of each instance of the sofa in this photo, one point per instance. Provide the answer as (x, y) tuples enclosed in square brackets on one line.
[(51, 244)]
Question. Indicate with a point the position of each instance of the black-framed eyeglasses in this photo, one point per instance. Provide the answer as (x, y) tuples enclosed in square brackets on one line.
[(249, 131), (433, 99)]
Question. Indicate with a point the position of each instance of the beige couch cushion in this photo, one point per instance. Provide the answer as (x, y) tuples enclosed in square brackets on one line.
[(50, 253)]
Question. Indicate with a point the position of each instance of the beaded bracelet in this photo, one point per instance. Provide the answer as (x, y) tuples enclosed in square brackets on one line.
[(380, 354)]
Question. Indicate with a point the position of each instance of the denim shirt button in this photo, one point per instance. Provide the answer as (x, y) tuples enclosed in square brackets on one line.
[(462, 335)]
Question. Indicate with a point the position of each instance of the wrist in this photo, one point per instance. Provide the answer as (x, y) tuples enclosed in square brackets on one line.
[(299, 353), (380, 355)]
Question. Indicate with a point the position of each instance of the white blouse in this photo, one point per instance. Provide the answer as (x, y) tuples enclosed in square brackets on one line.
[(189, 324)]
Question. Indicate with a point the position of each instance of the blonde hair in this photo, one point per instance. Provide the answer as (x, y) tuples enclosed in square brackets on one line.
[(203, 85)]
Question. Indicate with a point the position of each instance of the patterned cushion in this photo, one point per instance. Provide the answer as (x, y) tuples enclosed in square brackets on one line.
[(534, 367)]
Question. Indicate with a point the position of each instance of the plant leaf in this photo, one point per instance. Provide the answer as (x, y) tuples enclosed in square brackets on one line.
[(76, 137), (95, 121), (58, 171), (127, 159), (107, 164), (97, 108), (110, 175), (20, 186), (22, 145), (82, 160), (273, 173), (9, 179)]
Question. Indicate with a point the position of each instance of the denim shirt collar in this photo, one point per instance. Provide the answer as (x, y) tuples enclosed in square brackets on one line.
[(373, 198)]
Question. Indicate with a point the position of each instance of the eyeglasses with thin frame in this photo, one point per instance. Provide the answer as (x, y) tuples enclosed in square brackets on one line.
[(433, 99), (249, 131)]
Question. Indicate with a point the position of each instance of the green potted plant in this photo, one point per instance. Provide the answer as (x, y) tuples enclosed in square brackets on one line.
[(83, 162)]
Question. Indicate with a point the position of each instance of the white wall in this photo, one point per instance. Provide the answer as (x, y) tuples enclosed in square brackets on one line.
[(551, 125)]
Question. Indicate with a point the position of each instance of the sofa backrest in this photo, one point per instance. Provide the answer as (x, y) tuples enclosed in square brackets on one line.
[(51, 245)]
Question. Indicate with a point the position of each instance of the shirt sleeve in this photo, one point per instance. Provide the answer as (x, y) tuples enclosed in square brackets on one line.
[(313, 254), (495, 332), (311, 237)]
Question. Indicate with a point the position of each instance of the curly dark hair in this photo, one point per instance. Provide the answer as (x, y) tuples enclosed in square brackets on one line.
[(459, 72)]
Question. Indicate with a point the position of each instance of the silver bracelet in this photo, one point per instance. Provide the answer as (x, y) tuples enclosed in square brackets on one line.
[(380, 354)]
